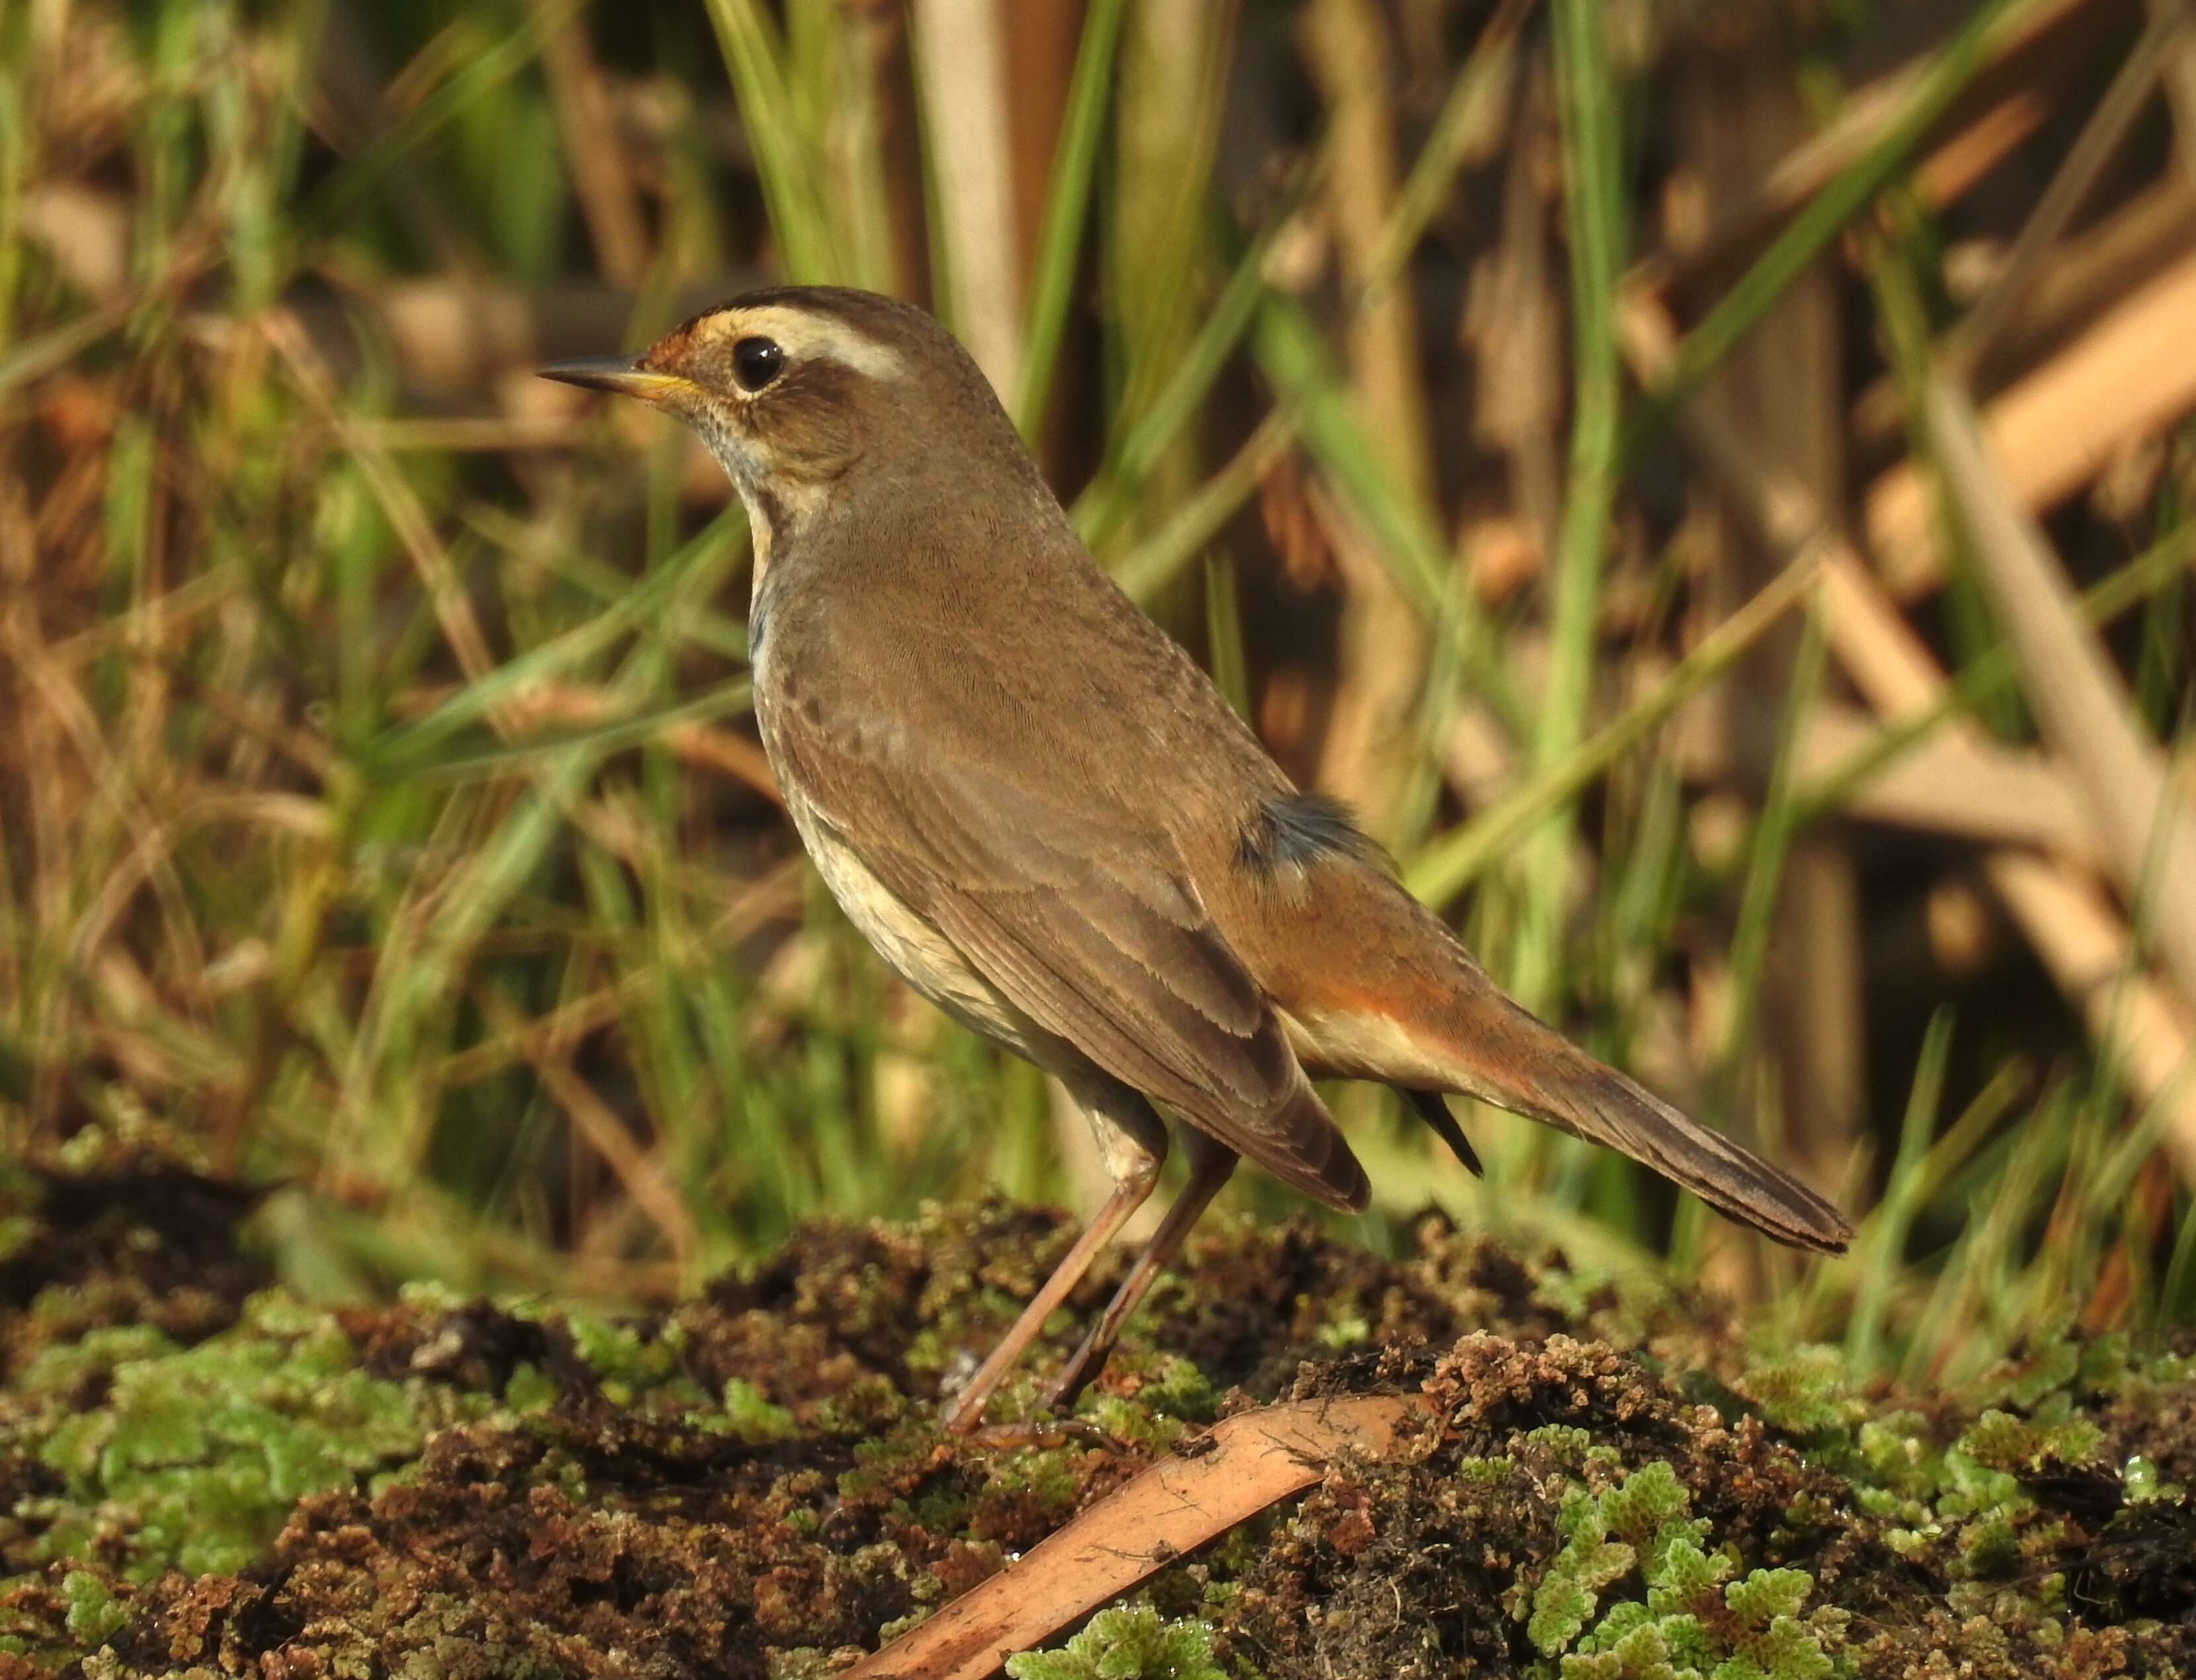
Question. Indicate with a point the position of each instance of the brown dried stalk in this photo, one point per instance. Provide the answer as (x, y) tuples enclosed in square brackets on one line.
[(2148, 836), (2132, 375), (1238, 1469)]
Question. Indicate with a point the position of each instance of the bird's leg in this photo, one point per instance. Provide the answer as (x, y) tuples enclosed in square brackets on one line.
[(1133, 1141), (1211, 1162)]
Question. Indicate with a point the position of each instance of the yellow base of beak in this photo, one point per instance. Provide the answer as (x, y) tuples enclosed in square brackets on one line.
[(617, 373)]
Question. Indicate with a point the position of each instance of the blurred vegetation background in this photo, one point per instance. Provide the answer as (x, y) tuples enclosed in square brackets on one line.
[(1710, 482)]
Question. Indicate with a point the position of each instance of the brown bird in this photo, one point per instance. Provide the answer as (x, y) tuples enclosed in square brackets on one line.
[(1044, 816)]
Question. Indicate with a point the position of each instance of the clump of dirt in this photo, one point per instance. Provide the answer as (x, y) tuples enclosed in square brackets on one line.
[(124, 1241), (1246, 1304), (1448, 1558), (1566, 1510), (752, 1477), (1610, 1486)]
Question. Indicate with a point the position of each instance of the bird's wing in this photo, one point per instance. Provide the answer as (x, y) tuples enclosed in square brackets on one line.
[(1067, 896)]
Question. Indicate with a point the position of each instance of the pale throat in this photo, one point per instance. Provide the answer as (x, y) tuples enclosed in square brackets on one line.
[(775, 513), (760, 541)]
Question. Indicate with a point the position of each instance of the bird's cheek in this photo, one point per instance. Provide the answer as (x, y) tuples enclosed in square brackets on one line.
[(729, 441)]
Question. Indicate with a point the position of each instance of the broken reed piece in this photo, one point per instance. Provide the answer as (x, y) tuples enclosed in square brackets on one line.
[(2131, 374), (1224, 1476), (2147, 833), (2089, 270)]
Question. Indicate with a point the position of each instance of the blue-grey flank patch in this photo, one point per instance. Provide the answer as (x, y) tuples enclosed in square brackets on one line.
[(1296, 830)]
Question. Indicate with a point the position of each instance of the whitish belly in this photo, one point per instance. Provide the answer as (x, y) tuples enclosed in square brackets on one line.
[(922, 956)]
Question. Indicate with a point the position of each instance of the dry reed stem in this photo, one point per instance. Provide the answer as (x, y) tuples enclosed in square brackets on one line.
[(961, 61), (2080, 939), (106, 790), (2099, 141), (2179, 80), (1246, 1463), (705, 745), (2086, 271), (2129, 376), (639, 1172), (2148, 834), (1951, 171), (415, 531), (773, 895), (1970, 789), (594, 150), (86, 233)]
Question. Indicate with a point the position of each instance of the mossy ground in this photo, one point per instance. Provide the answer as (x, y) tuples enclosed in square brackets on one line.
[(197, 1472)]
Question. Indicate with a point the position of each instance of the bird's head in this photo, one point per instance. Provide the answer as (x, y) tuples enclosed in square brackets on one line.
[(809, 394)]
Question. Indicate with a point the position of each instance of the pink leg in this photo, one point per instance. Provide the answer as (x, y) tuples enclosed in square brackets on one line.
[(1133, 1140), (1209, 1164)]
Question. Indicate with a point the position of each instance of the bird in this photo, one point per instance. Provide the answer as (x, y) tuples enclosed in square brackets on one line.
[(1045, 817)]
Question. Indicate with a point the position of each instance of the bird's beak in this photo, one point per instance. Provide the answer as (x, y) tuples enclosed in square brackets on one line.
[(618, 374)]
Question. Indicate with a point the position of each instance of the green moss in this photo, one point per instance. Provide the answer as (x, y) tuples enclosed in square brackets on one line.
[(1132, 1643), (530, 1391), (193, 1457), (1569, 1592), (2000, 1441), (17, 1233), (94, 1616), (1170, 1396), (2140, 1484), (1803, 1391), (637, 1364), (1696, 1622), (751, 1418), (1049, 1477)]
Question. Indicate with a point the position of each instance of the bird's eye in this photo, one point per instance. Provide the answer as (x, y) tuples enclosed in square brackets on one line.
[(756, 362)]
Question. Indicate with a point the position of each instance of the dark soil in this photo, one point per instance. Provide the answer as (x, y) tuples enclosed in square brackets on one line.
[(751, 1486), (140, 1243)]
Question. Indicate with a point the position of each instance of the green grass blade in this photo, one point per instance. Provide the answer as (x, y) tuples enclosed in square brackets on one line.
[(1066, 205), (1153, 564), (337, 200), (701, 558), (1996, 673), (1451, 864), (755, 59), (1473, 106), (1296, 357), (1594, 211), (599, 739), (1103, 508), (1772, 846), (1223, 634)]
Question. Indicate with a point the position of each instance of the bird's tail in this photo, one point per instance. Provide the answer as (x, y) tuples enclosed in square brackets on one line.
[(1403, 1003), (1601, 1105), (1504, 1055)]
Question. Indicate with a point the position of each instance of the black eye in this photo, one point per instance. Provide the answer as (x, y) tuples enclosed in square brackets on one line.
[(756, 362)]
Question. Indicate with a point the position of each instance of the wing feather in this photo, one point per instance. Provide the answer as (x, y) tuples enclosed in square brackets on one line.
[(1080, 911)]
